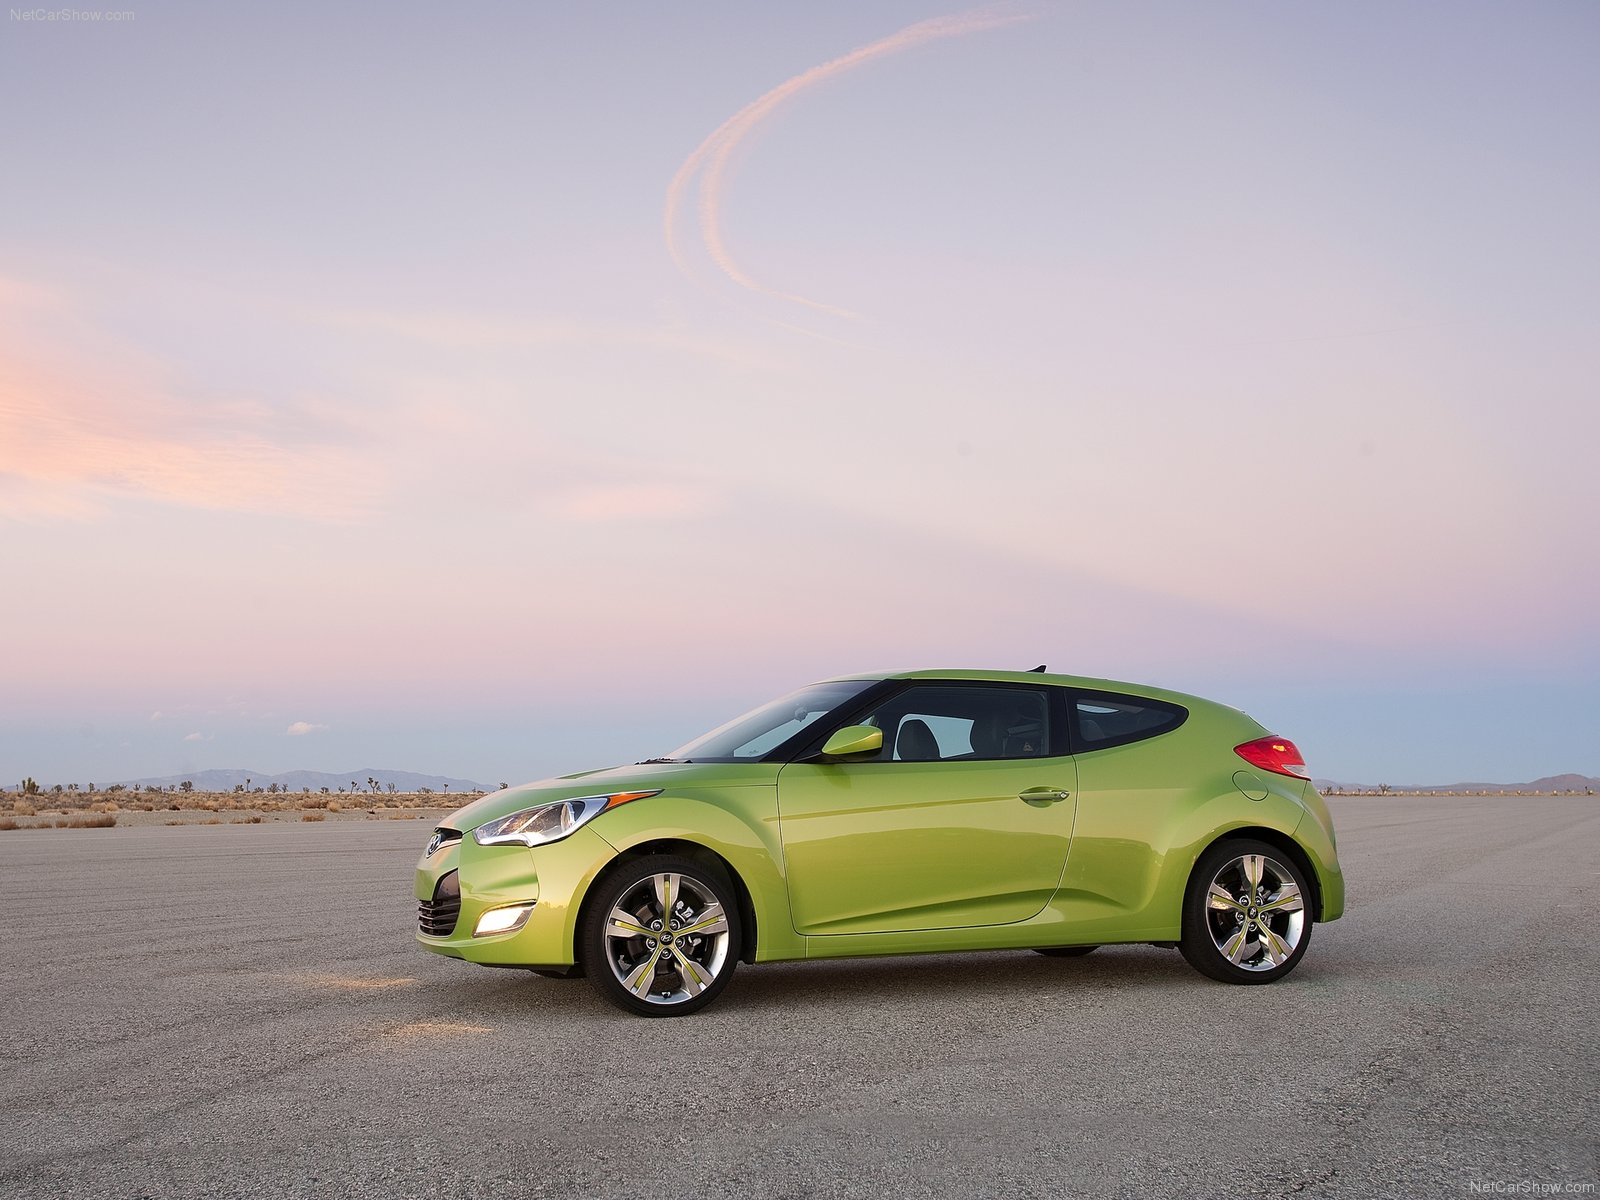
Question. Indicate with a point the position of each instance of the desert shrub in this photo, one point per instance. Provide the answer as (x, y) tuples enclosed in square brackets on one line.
[(335, 806), (212, 821), (7, 823), (174, 822), (313, 816), (98, 821), (250, 820), (22, 808)]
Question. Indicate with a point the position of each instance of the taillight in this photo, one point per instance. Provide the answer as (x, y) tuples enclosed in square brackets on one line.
[(1274, 754)]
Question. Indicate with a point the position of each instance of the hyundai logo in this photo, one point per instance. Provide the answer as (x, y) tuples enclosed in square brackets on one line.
[(434, 843)]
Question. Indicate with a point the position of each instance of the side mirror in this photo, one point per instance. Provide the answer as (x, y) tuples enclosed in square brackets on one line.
[(853, 739)]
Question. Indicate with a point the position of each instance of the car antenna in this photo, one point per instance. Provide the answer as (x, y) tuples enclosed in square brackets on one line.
[(1039, 670)]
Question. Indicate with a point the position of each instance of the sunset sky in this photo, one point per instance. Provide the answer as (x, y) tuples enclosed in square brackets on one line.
[(514, 389)]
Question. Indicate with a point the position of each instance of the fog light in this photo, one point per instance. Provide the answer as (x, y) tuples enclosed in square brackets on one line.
[(502, 920)]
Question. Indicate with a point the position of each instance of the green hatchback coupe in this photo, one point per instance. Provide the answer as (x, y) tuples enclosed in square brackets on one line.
[(899, 814)]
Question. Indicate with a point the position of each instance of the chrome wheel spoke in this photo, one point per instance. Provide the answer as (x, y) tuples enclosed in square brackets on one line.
[(623, 924), (1288, 900), (1222, 900), (711, 919), (1234, 949), (1253, 865), (667, 887), (695, 977), (641, 977), (1277, 949)]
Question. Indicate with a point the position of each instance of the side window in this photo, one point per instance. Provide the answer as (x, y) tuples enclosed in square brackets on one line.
[(1103, 721), (941, 724)]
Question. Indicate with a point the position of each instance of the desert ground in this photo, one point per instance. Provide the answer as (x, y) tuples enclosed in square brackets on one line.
[(171, 806), (241, 1010)]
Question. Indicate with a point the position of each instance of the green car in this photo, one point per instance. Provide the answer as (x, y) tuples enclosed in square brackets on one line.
[(899, 814)]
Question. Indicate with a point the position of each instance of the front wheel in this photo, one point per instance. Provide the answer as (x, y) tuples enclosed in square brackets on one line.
[(1245, 918), (661, 938)]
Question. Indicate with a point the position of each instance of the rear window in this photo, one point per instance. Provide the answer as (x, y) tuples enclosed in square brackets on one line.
[(1100, 721)]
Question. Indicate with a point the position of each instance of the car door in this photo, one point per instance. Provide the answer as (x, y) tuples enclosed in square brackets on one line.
[(964, 818)]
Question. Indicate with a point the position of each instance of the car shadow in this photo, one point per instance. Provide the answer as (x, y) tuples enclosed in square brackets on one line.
[(992, 974), (997, 976)]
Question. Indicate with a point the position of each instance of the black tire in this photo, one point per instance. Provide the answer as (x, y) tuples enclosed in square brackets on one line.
[(671, 978), (1065, 951), (1263, 923)]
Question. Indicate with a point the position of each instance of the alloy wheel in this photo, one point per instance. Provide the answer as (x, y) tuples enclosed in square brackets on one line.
[(1255, 912), (666, 938)]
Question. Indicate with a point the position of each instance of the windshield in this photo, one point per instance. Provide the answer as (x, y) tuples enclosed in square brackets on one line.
[(747, 738)]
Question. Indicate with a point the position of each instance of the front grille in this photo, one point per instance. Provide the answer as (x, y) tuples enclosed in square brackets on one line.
[(437, 917)]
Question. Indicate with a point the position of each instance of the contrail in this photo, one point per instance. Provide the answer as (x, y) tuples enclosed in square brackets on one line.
[(710, 158)]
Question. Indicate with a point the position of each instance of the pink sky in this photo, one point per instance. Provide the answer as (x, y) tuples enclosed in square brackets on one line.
[(1246, 352)]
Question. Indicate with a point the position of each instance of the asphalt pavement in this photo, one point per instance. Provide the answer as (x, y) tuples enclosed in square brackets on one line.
[(241, 1010)]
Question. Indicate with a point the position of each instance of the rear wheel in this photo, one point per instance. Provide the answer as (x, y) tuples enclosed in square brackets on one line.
[(1246, 918), (661, 938), (1065, 951)]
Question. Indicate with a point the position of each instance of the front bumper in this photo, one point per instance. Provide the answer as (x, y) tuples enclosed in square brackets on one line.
[(493, 876)]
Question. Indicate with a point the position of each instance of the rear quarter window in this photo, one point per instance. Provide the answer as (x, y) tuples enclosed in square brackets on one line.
[(1103, 720)]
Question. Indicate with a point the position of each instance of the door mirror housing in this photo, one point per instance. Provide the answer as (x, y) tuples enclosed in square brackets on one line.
[(853, 739)]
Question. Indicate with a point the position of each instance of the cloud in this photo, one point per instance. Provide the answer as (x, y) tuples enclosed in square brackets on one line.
[(83, 418), (710, 159), (196, 737), (301, 728)]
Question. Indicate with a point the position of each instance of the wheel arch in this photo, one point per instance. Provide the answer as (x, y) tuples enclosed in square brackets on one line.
[(1278, 840), (682, 848)]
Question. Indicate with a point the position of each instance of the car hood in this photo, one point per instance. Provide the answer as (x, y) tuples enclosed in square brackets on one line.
[(638, 777)]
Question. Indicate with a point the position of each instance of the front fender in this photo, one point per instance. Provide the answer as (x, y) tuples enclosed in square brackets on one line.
[(739, 823)]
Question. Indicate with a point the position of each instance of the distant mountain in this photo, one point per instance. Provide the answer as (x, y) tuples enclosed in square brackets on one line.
[(225, 780), (1549, 783)]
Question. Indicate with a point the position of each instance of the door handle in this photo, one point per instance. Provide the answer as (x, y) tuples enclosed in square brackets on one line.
[(1043, 795)]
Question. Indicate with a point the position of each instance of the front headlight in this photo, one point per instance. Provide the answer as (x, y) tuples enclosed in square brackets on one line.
[(546, 823)]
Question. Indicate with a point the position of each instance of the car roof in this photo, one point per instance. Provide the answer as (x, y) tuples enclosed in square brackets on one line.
[(1083, 682)]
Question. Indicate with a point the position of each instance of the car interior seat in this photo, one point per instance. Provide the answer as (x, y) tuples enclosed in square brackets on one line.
[(916, 743), (988, 736)]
